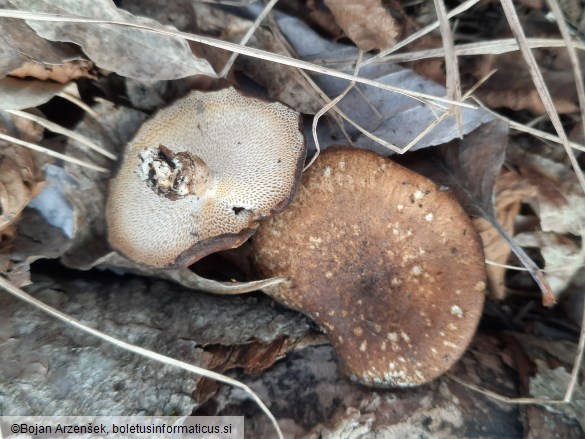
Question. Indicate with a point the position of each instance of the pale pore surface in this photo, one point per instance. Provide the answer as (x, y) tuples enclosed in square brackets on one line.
[(254, 151)]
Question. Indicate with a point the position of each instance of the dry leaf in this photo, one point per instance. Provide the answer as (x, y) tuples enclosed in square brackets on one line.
[(60, 73), (18, 94), (367, 23), (563, 258), (20, 45), (19, 182), (129, 52), (393, 117), (510, 191)]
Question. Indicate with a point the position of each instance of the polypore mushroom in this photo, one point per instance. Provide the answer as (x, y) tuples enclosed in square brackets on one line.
[(388, 264), (200, 174)]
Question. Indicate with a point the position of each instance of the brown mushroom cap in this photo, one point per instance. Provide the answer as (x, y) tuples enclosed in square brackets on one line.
[(199, 175), (385, 262)]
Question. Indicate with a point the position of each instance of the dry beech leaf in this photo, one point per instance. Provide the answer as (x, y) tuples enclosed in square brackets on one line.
[(367, 22), (517, 92), (18, 94), (129, 52), (563, 258)]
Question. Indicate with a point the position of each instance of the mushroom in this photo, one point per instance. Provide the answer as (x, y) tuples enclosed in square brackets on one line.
[(387, 263), (200, 174)]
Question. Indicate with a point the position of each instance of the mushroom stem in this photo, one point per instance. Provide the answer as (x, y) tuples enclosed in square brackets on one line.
[(174, 175)]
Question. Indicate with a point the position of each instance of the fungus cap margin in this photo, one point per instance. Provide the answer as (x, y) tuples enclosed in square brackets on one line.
[(388, 265)]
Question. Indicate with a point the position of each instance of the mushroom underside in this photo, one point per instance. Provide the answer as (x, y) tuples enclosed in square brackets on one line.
[(199, 176)]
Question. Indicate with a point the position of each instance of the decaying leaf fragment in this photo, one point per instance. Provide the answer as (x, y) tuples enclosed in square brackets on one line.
[(366, 22), (20, 179)]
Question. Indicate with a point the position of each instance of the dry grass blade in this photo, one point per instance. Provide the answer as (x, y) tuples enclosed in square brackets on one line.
[(451, 64), (232, 59), (506, 399), (67, 94), (494, 47), (52, 153), (327, 107), (577, 73), (243, 50), (59, 129), (533, 131), (20, 294), (421, 33), (544, 93)]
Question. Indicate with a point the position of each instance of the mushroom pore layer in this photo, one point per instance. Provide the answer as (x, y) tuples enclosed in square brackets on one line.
[(200, 174), (386, 263)]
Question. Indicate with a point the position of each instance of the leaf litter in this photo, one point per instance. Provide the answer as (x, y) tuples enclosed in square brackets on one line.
[(474, 172)]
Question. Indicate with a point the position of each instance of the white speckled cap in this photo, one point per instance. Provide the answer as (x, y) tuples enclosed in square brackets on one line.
[(388, 265), (200, 174)]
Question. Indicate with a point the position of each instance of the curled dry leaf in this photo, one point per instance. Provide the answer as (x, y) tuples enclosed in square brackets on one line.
[(368, 23), (61, 73), (510, 190), (129, 52)]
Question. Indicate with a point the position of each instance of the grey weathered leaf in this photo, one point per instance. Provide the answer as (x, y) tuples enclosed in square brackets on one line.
[(395, 118), (18, 94), (129, 52), (19, 44)]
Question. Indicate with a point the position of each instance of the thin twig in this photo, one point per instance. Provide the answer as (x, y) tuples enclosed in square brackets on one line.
[(20, 294)]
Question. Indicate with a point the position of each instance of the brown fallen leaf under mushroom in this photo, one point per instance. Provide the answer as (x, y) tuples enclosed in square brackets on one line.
[(200, 174), (384, 261)]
